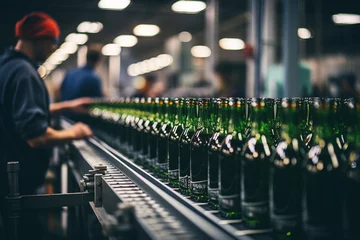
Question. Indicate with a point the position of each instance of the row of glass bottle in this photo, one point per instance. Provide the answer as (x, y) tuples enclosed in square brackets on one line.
[(289, 163)]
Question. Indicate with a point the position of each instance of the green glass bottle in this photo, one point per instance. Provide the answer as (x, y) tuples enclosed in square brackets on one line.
[(230, 157), (135, 143), (352, 168), (219, 124), (163, 140), (127, 126), (147, 131), (255, 164), (199, 153), (174, 142), (154, 132), (140, 128), (307, 125), (185, 140), (286, 173), (323, 188)]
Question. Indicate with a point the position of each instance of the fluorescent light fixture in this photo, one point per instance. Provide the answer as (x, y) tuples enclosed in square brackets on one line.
[(346, 18), (304, 33), (78, 38), (54, 61), (42, 71), (60, 55), (137, 68), (153, 65), (113, 4), (164, 60), (231, 44), (69, 47), (132, 70), (146, 30), (200, 51), (90, 27), (190, 7), (185, 36), (150, 65), (126, 40), (144, 67), (111, 49)]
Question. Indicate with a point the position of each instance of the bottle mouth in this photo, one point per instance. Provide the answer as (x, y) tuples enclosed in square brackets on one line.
[(191, 101), (261, 102)]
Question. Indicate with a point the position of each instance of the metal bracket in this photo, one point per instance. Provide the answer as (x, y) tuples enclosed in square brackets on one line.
[(92, 181), (98, 190)]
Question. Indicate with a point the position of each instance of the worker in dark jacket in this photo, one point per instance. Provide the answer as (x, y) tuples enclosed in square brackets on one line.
[(83, 81), (25, 111)]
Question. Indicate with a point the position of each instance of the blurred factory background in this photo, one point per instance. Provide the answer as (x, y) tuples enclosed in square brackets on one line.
[(268, 48)]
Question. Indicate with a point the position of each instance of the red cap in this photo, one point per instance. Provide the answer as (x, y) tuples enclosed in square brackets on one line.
[(37, 25)]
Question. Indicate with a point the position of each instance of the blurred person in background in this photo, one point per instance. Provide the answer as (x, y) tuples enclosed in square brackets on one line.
[(144, 86), (231, 78), (83, 81), (343, 85), (25, 111)]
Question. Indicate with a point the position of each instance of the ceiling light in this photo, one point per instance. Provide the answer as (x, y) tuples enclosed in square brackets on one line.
[(113, 4), (137, 68), (132, 70), (190, 7), (54, 61), (346, 18), (78, 38), (146, 30), (164, 60), (90, 27), (304, 33), (152, 64), (231, 44), (200, 51), (126, 40), (42, 71), (60, 55), (185, 37), (69, 47), (111, 49), (144, 67)]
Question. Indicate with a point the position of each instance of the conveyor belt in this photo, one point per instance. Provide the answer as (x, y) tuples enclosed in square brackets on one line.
[(233, 227), (160, 214)]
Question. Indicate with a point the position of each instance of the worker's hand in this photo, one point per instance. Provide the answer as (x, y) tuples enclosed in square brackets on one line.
[(80, 105), (80, 131)]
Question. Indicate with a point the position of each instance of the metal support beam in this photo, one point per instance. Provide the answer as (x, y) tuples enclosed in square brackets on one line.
[(56, 200), (259, 5), (212, 38), (290, 48)]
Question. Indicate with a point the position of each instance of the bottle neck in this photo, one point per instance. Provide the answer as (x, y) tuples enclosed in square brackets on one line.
[(323, 126), (171, 113), (191, 117), (224, 119), (214, 113), (290, 120), (238, 118), (261, 116), (180, 113), (203, 120)]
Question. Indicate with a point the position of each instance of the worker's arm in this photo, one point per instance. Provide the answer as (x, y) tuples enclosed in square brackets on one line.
[(78, 106), (53, 137)]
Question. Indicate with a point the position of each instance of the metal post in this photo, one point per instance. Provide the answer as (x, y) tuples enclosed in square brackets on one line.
[(258, 47), (212, 24), (13, 199), (250, 65), (290, 48)]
